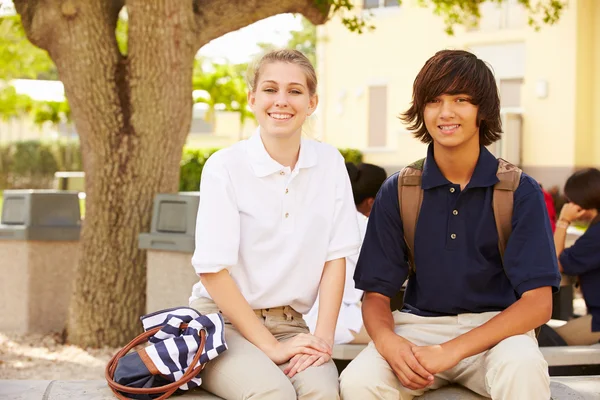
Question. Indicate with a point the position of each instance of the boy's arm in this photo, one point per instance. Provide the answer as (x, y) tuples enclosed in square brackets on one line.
[(396, 350), (533, 309), (530, 264)]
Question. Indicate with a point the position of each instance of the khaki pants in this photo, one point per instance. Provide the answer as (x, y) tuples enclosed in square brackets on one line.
[(245, 372), (578, 332), (514, 369)]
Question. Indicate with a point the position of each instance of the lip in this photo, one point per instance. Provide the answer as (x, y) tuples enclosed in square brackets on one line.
[(448, 131), (280, 113)]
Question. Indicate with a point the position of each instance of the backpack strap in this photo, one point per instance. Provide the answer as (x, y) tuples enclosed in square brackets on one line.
[(502, 203), (410, 198)]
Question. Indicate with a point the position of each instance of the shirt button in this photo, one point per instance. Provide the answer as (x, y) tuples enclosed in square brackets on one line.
[(453, 236), (282, 173), (455, 212), (452, 190), (287, 215), (286, 190)]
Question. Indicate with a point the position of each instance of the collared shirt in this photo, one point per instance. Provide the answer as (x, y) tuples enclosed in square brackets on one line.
[(271, 227), (458, 264), (583, 259)]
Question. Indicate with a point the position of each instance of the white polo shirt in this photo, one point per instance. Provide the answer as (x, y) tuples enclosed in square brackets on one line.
[(271, 227)]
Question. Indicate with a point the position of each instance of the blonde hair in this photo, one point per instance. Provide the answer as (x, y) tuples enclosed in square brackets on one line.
[(287, 56)]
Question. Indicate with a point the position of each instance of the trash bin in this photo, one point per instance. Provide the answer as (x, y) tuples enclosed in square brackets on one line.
[(170, 246), (39, 238)]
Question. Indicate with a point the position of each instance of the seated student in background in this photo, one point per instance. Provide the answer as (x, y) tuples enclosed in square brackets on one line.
[(366, 180), (583, 258)]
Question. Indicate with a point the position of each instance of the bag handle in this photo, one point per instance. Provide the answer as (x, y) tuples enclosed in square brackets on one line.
[(169, 389)]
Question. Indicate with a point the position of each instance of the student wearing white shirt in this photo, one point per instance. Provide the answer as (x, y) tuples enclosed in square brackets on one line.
[(366, 179), (275, 223)]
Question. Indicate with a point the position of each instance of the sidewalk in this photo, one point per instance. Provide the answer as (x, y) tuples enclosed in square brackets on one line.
[(563, 388)]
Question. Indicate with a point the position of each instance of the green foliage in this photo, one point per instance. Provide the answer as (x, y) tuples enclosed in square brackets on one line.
[(18, 57), (121, 32), (223, 85), (305, 40), (467, 12), (32, 164), (352, 155), (13, 104), (193, 161)]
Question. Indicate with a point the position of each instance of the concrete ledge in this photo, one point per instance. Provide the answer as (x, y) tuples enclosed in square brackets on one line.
[(563, 388), (555, 356)]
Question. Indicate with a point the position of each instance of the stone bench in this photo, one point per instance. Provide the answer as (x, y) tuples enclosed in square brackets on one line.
[(555, 356), (563, 388)]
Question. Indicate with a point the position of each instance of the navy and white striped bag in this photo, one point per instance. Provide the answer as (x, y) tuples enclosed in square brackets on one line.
[(171, 350)]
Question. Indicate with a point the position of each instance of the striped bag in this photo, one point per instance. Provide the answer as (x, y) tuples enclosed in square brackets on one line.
[(180, 341)]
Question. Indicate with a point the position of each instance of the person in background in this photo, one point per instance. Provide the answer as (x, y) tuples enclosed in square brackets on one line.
[(550, 207), (366, 179), (582, 259)]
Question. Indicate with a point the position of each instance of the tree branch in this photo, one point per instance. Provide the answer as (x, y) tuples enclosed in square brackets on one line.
[(215, 18), (41, 18)]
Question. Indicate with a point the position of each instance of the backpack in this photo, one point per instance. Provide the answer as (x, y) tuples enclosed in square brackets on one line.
[(410, 198)]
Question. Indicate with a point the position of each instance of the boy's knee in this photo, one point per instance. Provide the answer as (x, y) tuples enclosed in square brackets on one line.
[(357, 383), (524, 363)]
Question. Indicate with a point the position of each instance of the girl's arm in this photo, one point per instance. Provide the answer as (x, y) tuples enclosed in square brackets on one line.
[(234, 306), (331, 290)]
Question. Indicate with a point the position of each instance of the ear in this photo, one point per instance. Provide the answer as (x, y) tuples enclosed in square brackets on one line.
[(312, 104), (251, 99)]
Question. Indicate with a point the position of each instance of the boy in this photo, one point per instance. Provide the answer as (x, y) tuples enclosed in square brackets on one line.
[(469, 314)]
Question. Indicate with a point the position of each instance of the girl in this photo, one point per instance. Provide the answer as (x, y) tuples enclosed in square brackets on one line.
[(366, 180), (275, 223), (583, 258)]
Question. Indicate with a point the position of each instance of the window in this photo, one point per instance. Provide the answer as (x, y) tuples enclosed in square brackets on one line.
[(377, 116), (510, 92), (367, 4)]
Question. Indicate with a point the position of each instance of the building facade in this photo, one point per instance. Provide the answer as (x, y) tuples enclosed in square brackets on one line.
[(549, 82)]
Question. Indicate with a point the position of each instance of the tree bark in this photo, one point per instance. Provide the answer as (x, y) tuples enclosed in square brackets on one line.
[(132, 115)]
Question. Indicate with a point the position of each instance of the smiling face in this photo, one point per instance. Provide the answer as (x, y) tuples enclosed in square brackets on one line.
[(281, 100), (451, 120)]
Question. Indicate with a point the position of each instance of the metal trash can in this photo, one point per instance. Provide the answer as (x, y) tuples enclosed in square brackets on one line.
[(170, 246), (39, 251)]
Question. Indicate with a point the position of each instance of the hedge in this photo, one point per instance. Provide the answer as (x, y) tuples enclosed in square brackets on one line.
[(32, 164)]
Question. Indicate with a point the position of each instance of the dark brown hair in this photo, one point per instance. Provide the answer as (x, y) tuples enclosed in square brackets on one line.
[(583, 188), (456, 72), (366, 179)]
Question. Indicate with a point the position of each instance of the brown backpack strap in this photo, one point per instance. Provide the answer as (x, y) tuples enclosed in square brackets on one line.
[(502, 203), (410, 198)]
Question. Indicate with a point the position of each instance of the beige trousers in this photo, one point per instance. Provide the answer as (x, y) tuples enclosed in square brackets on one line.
[(245, 372), (514, 369), (578, 332)]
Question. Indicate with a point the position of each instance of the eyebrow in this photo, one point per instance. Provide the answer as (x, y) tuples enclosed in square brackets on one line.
[(290, 84)]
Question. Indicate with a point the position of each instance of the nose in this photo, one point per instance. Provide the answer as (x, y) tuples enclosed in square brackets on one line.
[(281, 99), (447, 110)]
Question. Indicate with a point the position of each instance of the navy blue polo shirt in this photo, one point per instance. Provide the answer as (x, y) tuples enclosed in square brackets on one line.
[(458, 264), (583, 259)]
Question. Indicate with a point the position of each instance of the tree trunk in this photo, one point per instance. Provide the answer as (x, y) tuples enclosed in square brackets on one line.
[(132, 115)]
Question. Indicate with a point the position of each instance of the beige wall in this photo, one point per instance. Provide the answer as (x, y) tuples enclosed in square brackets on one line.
[(595, 84), (564, 57)]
